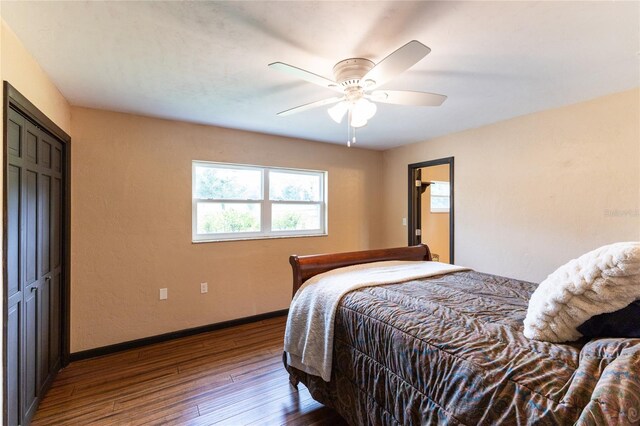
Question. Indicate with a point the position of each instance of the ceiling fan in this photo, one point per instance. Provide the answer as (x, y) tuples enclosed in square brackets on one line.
[(356, 79)]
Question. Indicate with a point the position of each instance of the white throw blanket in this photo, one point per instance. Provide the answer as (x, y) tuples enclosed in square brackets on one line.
[(308, 339), (604, 280)]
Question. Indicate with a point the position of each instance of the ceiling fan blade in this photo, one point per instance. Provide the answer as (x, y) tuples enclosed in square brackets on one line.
[(310, 106), (396, 63), (405, 97), (306, 76)]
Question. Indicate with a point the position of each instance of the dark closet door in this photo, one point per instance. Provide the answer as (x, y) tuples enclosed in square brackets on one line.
[(51, 263), (15, 273), (34, 183)]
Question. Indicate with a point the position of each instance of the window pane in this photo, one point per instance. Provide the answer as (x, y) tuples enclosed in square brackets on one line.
[(217, 218), (291, 186), (440, 188), (294, 217), (439, 203), (227, 183)]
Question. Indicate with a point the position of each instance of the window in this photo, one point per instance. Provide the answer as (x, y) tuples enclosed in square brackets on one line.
[(233, 201), (440, 197)]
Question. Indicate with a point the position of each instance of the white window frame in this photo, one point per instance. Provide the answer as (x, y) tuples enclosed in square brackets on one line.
[(266, 205), (432, 196)]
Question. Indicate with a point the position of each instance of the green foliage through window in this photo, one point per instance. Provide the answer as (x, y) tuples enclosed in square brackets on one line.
[(229, 184), (227, 220), (289, 221)]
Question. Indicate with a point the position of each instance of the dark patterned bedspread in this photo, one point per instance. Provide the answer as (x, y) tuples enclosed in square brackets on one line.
[(450, 350)]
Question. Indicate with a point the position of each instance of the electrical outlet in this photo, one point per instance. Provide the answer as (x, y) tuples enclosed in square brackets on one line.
[(204, 288), (404, 221), (164, 293)]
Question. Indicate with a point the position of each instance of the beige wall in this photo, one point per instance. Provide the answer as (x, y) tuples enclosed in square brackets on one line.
[(131, 204), (534, 191), (435, 226), (19, 68)]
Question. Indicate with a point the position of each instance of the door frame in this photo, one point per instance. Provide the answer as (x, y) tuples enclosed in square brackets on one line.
[(12, 98), (413, 207)]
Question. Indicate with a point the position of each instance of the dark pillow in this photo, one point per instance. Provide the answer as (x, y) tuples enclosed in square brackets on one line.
[(622, 323)]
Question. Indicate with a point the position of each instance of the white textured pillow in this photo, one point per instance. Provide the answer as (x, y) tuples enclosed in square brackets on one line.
[(604, 280)]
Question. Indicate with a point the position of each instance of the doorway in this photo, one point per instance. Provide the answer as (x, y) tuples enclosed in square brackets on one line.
[(36, 255), (431, 207)]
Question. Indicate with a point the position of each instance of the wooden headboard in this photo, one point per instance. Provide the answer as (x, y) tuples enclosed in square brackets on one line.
[(305, 267)]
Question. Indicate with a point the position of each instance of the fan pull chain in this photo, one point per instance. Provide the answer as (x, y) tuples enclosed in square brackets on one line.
[(349, 129)]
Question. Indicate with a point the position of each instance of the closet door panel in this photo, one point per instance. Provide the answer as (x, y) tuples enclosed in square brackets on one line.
[(30, 358), (54, 323), (45, 224), (14, 133), (44, 159), (13, 232), (15, 272), (56, 224), (31, 227), (55, 257), (14, 342), (44, 294), (55, 319), (31, 241), (31, 154)]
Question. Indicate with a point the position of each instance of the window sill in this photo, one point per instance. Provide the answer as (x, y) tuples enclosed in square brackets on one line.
[(263, 237)]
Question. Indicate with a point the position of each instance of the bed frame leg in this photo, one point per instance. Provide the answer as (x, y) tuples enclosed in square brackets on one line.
[(293, 381)]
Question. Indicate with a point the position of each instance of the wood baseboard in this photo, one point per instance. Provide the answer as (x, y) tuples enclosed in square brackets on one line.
[(132, 344)]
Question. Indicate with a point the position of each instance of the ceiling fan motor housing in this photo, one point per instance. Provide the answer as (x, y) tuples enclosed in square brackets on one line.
[(349, 72)]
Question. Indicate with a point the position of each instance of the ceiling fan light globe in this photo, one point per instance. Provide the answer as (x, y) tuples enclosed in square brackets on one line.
[(363, 110), (338, 111), (357, 122), (370, 110)]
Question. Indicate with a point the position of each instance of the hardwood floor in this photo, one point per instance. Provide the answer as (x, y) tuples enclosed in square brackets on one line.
[(232, 376)]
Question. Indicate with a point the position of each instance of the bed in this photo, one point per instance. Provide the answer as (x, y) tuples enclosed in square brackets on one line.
[(449, 349)]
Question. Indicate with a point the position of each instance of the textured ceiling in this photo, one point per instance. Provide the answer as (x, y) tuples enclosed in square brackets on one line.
[(206, 62)]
